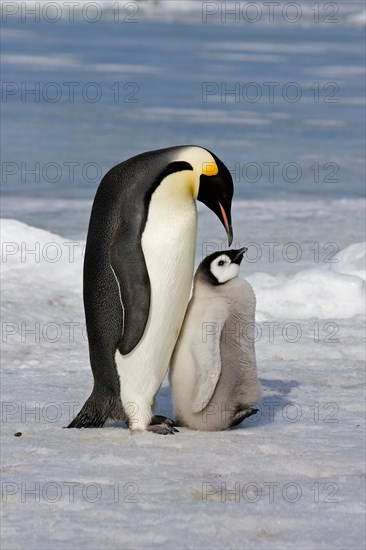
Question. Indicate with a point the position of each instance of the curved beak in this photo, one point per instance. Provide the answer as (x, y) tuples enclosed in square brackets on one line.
[(225, 217)]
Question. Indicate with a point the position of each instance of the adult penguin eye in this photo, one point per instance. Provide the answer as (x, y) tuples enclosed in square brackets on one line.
[(221, 263)]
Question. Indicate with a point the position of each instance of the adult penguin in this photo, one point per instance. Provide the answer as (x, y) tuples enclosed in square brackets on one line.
[(138, 270)]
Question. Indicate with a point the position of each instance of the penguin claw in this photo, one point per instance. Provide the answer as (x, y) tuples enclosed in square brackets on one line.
[(162, 429), (170, 422), (162, 425), (160, 419)]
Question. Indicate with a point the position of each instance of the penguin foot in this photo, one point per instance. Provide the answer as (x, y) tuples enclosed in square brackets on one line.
[(159, 419), (162, 429), (162, 425), (96, 411), (242, 415)]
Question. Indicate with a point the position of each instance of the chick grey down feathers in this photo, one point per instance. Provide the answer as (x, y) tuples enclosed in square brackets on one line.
[(213, 369)]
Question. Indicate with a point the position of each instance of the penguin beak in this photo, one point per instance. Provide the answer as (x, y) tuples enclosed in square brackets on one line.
[(239, 256), (216, 192), (225, 217)]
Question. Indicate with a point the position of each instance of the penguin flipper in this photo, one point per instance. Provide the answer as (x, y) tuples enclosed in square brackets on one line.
[(129, 267), (207, 357)]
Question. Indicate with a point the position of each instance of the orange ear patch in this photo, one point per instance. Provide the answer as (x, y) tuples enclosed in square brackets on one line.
[(209, 169)]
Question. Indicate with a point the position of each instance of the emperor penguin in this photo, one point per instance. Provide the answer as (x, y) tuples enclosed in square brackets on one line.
[(213, 372), (138, 271)]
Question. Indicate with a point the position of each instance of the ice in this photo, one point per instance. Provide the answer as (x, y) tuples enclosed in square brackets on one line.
[(351, 261), (32, 254), (290, 476), (333, 291)]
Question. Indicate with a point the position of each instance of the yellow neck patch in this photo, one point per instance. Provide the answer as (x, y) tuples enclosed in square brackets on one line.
[(202, 162), (209, 169)]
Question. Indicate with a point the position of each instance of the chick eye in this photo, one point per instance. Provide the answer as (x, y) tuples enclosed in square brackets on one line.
[(221, 262)]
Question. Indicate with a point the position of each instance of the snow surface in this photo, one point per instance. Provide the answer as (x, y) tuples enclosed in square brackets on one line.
[(295, 470)]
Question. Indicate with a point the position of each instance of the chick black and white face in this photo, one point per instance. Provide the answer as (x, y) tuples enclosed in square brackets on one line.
[(223, 269)]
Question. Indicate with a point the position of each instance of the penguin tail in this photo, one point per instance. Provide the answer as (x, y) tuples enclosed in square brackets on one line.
[(96, 411)]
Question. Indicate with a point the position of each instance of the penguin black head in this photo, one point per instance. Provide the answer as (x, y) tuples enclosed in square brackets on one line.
[(211, 182), (193, 170), (221, 267), (216, 191)]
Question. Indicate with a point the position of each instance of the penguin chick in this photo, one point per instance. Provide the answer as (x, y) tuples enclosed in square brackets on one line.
[(213, 372)]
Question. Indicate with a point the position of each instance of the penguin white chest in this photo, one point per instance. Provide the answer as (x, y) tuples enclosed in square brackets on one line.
[(168, 243)]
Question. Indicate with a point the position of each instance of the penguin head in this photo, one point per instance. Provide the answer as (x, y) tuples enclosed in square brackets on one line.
[(221, 267), (212, 183)]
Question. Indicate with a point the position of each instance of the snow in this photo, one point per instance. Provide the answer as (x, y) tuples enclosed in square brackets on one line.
[(331, 294), (289, 477)]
